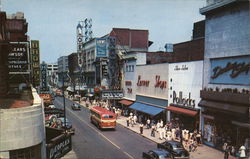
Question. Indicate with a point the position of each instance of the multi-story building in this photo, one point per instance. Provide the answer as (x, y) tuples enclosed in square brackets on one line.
[(22, 131), (19, 56), (4, 46), (52, 73), (35, 62), (226, 80), (74, 72), (63, 69)]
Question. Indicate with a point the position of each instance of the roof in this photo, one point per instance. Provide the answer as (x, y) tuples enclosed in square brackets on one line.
[(133, 38), (160, 152), (101, 110)]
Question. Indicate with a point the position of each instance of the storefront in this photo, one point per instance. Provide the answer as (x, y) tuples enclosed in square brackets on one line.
[(185, 83), (151, 92), (225, 102)]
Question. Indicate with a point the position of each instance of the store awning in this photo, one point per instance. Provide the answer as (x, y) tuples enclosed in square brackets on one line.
[(182, 110), (148, 109), (125, 102), (224, 106)]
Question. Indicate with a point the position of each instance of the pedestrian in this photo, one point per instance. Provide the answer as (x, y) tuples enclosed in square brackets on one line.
[(242, 151), (127, 122), (158, 126), (135, 119), (141, 128), (148, 123), (153, 131), (226, 152), (161, 133), (173, 133), (198, 137)]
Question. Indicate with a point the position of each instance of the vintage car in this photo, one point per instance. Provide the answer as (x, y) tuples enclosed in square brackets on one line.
[(175, 148), (75, 106), (156, 154)]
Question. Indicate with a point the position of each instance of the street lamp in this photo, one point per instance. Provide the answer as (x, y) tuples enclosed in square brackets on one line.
[(64, 109)]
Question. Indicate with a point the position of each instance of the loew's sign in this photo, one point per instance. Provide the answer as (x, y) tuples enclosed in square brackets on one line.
[(112, 94)]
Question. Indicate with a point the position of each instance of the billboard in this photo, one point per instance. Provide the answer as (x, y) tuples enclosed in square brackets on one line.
[(18, 62), (112, 94), (101, 47)]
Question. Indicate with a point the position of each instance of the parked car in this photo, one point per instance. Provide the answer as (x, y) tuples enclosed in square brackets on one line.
[(76, 106), (68, 126), (175, 148), (156, 154)]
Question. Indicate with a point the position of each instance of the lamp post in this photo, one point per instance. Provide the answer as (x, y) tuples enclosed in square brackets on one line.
[(64, 109)]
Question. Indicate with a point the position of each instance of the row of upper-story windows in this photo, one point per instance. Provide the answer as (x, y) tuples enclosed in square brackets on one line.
[(130, 68)]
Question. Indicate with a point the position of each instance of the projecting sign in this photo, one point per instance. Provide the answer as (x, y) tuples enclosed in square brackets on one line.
[(101, 47), (18, 58), (112, 94)]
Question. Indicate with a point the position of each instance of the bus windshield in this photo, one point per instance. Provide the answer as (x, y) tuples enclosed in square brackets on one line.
[(106, 116)]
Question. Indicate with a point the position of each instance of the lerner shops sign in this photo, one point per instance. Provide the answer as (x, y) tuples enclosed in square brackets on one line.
[(187, 102), (158, 82)]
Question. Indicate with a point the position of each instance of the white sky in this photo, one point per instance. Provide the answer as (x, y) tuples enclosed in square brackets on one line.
[(53, 22)]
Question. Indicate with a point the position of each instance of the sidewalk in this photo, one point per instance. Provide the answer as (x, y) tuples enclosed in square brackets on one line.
[(202, 152), (70, 155)]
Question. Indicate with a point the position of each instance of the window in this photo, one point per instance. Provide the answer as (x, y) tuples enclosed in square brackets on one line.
[(132, 68), (33, 152), (107, 116)]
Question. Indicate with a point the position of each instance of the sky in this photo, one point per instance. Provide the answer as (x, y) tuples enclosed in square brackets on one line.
[(53, 22)]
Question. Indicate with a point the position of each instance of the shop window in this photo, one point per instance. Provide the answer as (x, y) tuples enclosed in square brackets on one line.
[(170, 79), (33, 152)]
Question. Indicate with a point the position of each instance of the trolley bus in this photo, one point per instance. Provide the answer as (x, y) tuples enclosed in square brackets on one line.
[(102, 118)]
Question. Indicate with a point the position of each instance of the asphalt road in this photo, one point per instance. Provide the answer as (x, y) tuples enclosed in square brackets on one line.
[(91, 143)]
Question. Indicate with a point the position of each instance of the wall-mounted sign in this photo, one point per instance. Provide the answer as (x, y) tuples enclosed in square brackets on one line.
[(231, 70), (101, 47), (183, 67), (183, 101), (18, 58), (159, 83), (112, 94), (60, 148), (142, 82)]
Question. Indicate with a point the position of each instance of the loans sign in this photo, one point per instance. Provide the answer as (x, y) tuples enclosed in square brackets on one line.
[(18, 58)]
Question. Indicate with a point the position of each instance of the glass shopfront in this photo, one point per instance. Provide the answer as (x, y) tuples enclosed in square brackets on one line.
[(220, 129)]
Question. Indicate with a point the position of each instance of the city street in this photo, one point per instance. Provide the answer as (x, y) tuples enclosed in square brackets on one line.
[(90, 142)]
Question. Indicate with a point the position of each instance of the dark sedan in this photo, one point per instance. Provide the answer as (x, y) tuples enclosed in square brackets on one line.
[(156, 154), (76, 107), (175, 148)]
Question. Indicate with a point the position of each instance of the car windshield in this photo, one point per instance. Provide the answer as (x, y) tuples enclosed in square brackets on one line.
[(163, 156), (177, 146)]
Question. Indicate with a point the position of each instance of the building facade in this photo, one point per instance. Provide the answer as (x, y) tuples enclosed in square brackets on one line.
[(22, 130), (4, 46), (151, 88), (63, 68), (52, 73), (184, 85), (226, 80)]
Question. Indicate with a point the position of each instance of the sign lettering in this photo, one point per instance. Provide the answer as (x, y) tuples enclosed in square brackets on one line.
[(142, 82), (183, 101), (235, 68), (159, 83)]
